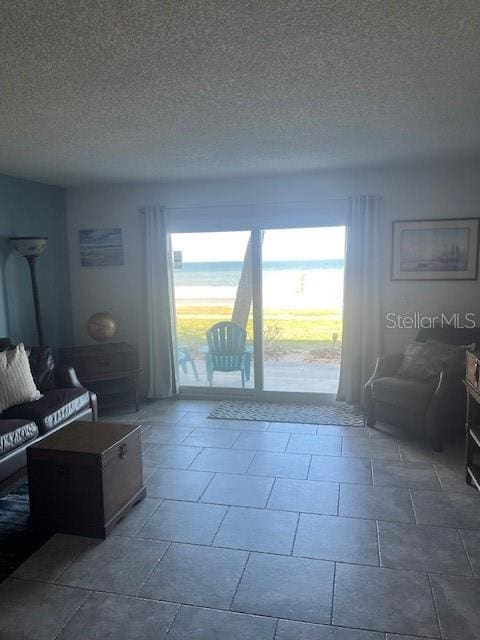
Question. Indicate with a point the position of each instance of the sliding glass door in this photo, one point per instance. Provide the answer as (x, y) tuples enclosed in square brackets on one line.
[(259, 312), (212, 283), (302, 272)]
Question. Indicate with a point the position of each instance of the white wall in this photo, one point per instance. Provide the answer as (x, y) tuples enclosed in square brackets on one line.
[(438, 191)]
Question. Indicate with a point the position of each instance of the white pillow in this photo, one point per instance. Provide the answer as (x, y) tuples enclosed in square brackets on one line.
[(16, 381)]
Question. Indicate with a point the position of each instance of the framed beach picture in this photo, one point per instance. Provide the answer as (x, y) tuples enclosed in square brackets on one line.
[(100, 247), (435, 249)]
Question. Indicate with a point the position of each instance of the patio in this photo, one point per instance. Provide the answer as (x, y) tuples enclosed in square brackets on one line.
[(286, 374)]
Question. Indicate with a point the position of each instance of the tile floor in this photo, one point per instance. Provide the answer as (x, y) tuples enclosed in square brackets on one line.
[(259, 531)]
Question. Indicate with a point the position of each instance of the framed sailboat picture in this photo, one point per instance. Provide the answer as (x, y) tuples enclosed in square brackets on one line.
[(435, 249)]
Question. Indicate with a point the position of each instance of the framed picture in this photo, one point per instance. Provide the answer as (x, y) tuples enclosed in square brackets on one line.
[(435, 249), (100, 247)]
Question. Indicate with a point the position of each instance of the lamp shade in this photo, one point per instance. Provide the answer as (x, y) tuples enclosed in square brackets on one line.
[(29, 246)]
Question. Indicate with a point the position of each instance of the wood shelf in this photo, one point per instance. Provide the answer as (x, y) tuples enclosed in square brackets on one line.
[(474, 473), (475, 434), (472, 430)]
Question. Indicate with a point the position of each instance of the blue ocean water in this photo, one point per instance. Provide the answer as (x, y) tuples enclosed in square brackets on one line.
[(204, 274)]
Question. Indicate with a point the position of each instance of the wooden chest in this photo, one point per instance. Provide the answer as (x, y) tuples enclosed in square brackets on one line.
[(84, 478), (473, 369)]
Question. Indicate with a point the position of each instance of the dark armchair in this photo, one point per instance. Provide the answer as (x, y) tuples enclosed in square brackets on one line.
[(434, 407)]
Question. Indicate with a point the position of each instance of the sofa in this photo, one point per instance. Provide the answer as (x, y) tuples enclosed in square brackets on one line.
[(63, 400), (434, 408)]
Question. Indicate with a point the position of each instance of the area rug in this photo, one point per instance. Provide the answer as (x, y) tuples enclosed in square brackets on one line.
[(338, 413), (17, 541)]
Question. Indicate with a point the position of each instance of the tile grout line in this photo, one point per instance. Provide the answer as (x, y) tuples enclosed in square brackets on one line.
[(89, 595), (155, 565), (206, 487), (438, 475), (413, 506), (75, 558), (379, 553), (338, 499), (283, 510), (211, 544), (466, 552), (249, 553), (202, 449), (236, 439), (240, 613), (309, 467), (270, 553), (434, 602), (251, 462), (144, 522), (275, 630), (294, 539), (332, 606), (269, 495), (288, 442), (165, 637)]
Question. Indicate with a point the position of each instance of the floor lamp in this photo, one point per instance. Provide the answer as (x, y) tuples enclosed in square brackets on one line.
[(31, 248)]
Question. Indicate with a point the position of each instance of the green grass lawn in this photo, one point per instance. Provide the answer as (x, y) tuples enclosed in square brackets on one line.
[(283, 328)]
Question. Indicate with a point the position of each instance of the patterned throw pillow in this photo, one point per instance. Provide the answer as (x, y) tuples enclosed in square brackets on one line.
[(425, 360), (412, 364), (16, 381), (441, 355)]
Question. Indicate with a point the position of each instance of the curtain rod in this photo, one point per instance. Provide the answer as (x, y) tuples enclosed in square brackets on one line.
[(251, 204)]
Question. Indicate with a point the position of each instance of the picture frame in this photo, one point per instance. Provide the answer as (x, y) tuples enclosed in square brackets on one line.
[(101, 247), (435, 249)]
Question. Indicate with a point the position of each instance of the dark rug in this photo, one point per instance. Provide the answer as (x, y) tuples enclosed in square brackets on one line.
[(339, 413), (17, 541)]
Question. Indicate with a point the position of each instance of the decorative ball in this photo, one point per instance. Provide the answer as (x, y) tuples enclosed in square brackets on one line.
[(101, 326)]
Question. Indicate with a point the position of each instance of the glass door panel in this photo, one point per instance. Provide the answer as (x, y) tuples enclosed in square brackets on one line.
[(302, 272), (212, 281)]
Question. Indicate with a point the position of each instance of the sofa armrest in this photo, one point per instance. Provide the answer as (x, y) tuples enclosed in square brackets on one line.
[(450, 381), (447, 405), (386, 366), (66, 378)]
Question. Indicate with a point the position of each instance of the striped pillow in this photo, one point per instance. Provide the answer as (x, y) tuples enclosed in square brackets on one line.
[(16, 381)]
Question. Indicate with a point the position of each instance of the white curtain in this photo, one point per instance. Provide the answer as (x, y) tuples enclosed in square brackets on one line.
[(158, 309), (362, 314)]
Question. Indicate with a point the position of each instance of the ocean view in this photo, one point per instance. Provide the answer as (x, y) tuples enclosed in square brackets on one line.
[(302, 284)]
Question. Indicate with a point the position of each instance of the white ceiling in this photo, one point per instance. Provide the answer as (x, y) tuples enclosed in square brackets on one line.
[(121, 90)]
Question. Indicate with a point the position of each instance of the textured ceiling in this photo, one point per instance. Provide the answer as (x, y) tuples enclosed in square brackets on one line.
[(122, 90)]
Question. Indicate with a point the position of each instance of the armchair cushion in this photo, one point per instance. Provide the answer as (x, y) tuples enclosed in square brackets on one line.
[(425, 360), (402, 392), (53, 409)]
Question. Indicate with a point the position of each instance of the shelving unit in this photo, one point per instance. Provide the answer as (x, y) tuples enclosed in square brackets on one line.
[(472, 433)]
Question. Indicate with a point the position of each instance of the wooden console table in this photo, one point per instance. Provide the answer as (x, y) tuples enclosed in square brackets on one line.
[(110, 370)]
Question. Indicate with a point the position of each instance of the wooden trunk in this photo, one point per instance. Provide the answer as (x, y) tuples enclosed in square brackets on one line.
[(84, 478)]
